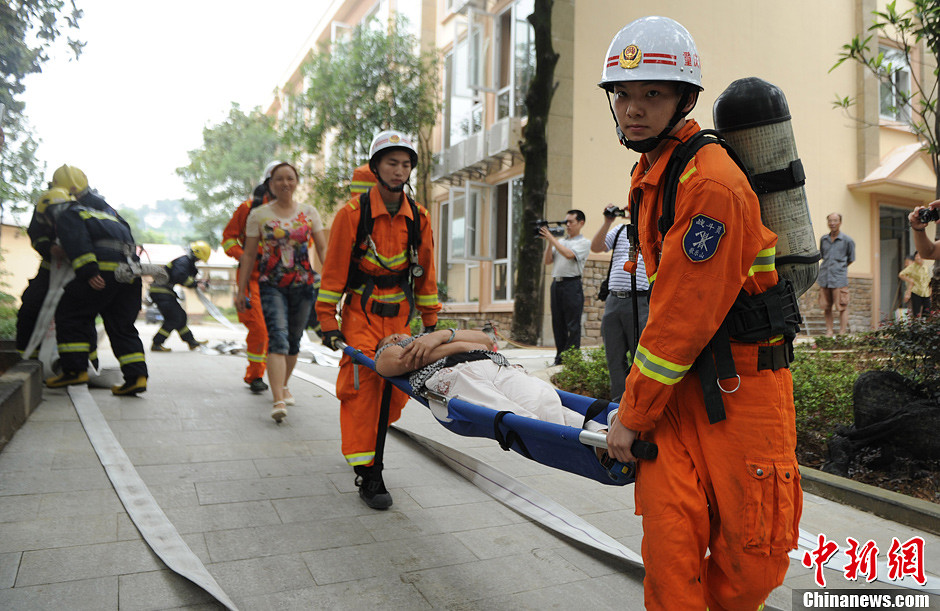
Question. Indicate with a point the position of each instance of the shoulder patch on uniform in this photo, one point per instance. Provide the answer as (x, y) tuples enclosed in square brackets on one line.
[(701, 239)]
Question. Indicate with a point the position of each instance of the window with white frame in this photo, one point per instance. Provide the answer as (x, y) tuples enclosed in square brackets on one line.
[(380, 14), (460, 244), (505, 207), (463, 106), (515, 63), (894, 102)]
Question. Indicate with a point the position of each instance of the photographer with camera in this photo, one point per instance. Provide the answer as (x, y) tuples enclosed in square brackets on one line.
[(617, 326), (919, 218), (567, 257)]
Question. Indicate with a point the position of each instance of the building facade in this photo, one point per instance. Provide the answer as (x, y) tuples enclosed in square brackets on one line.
[(868, 167)]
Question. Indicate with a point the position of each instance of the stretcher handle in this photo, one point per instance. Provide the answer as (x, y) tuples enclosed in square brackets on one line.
[(643, 450)]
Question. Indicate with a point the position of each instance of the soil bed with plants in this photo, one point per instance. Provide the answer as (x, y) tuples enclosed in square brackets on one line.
[(824, 374)]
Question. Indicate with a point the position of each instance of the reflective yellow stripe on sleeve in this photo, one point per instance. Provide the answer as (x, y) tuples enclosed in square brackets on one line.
[(84, 259), (328, 296), (764, 262), (226, 244), (659, 369), (426, 300)]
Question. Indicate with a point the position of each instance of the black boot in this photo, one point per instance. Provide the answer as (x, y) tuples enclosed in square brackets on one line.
[(371, 487)]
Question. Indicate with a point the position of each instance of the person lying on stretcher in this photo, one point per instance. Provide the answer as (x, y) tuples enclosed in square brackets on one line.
[(464, 364)]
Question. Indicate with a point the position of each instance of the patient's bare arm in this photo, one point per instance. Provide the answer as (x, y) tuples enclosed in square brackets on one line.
[(394, 362)]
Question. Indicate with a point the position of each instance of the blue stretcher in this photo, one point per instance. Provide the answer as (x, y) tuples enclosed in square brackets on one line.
[(555, 445)]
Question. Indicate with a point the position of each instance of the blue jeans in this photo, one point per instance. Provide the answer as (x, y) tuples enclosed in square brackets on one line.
[(286, 310)]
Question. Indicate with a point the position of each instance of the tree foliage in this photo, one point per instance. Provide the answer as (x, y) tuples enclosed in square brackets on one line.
[(373, 81), (907, 31), (225, 170), (527, 307), (27, 30)]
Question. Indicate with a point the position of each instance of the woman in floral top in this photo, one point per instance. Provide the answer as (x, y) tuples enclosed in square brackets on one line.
[(285, 229)]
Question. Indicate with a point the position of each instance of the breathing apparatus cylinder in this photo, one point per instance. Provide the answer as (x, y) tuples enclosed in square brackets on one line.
[(753, 116)]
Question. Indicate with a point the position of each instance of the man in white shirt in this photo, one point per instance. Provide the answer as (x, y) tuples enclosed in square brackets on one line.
[(567, 257)]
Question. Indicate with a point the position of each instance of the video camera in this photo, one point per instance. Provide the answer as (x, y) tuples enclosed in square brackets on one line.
[(928, 214), (556, 228), (613, 211)]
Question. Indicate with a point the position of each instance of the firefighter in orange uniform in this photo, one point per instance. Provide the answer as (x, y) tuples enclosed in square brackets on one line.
[(233, 239), (726, 481), (383, 261)]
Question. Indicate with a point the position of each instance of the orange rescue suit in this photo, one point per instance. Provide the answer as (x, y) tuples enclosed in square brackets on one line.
[(233, 241), (360, 405), (729, 489)]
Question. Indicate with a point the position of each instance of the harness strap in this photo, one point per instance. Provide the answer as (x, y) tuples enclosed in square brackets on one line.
[(383, 425), (511, 437), (593, 410), (713, 364)]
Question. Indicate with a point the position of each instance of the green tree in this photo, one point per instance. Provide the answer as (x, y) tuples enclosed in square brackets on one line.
[(908, 32), (29, 28), (225, 170), (375, 80), (527, 308), (142, 233)]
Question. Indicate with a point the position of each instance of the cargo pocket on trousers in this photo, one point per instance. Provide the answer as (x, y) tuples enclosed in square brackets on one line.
[(773, 503)]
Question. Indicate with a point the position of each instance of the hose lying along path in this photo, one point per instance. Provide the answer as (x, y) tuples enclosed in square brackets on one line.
[(154, 526)]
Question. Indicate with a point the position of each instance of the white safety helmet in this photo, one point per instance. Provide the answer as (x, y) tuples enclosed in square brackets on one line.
[(390, 140), (269, 169), (652, 49)]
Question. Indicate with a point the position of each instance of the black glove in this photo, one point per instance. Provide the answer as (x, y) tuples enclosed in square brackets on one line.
[(330, 339), (429, 329)]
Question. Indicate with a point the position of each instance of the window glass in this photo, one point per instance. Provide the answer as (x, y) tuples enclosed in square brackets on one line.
[(892, 103)]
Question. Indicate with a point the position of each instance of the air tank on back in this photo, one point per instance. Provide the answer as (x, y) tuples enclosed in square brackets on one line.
[(754, 118)]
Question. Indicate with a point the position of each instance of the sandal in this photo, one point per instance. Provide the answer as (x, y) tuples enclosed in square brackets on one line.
[(288, 398), (278, 411)]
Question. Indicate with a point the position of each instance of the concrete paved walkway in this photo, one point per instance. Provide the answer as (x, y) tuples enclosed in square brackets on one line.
[(273, 514)]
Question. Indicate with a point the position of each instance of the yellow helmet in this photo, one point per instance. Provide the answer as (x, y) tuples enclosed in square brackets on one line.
[(70, 178), (53, 196), (201, 249)]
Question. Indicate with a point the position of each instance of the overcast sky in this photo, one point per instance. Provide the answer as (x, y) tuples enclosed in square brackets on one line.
[(151, 76)]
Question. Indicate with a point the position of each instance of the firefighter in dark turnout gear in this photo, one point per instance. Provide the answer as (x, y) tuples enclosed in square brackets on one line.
[(68, 184), (42, 237), (182, 271), (96, 241)]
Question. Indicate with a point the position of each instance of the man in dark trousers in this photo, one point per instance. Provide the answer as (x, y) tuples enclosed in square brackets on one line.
[(567, 257), (181, 270), (617, 325), (97, 242)]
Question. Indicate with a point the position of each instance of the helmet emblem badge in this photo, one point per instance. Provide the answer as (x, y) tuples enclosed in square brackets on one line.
[(394, 138), (630, 57)]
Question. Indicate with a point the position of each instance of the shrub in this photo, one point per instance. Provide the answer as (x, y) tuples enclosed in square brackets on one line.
[(822, 390), (442, 323), (584, 373), (7, 316), (909, 347)]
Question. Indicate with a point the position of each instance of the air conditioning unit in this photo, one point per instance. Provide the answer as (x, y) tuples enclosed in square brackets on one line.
[(504, 136), (474, 149)]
